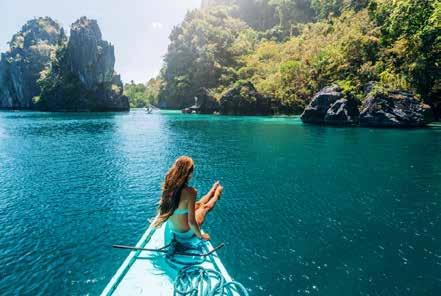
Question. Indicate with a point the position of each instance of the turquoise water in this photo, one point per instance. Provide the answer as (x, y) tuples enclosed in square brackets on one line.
[(307, 210)]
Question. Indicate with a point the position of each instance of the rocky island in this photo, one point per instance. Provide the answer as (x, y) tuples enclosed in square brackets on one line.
[(44, 70), (380, 108)]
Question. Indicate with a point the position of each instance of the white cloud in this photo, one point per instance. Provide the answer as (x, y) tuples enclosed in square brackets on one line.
[(157, 25)]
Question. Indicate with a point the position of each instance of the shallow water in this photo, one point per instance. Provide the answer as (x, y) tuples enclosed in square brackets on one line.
[(307, 210)]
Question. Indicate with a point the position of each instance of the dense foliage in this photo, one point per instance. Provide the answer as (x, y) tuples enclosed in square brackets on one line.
[(289, 49), (411, 38), (53, 79), (203, 52), (142, 95)]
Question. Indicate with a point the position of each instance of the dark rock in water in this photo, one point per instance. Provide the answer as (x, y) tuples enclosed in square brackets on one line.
[(244, 99), (436, 108), (27, 60), (343, 112), (315, 112), (208, 104), (83, 77), (394, 109)]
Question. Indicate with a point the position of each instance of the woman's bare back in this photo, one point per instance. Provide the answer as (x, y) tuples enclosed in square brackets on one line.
[(180, 221)]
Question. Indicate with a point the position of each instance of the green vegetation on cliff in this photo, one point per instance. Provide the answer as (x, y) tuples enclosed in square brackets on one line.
[(28, 59), (45, 70), (142, 95), (289, 49), (82, 76), (203, 52)]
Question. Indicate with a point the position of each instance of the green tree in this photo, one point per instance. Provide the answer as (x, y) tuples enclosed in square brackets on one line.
[(411, 37), (201, 53), (142, 95), (289, 49)]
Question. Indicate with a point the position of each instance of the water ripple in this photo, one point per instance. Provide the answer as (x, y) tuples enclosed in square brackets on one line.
[(306, 211)]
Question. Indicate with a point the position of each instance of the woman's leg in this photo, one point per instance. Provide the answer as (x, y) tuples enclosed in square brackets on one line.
[(207, 196), (203, 209)]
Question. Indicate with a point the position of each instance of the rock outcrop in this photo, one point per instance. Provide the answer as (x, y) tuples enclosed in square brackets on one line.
[(83, 77), (88, 56), (27, 60), (343, 112), (316, 111), (380, 108), (244, 99), (208, 104), (437, 110), (394, 109)]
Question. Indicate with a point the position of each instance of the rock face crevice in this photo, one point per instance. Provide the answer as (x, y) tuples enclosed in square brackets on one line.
[(315, 112), (28, 58), (343, 112)]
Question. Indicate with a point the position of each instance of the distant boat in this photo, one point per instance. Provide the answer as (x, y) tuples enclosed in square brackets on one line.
[(191, 110), (148, 109), (195, 109)]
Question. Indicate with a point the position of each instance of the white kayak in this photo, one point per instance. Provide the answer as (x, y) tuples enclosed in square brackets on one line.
[(151, 273)]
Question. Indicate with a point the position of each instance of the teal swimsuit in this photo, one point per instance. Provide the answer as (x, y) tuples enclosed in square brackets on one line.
[(182, 237)]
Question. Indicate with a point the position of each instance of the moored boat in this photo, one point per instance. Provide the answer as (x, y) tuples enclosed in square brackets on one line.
[(153, 273)]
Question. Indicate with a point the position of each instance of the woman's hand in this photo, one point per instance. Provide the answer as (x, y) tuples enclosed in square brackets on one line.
[(205, 237)]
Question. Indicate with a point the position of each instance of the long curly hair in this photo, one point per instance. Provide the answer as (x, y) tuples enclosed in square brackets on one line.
[(175, 180)]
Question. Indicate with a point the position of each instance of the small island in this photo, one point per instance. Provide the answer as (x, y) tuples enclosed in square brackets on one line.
[(44, 70)]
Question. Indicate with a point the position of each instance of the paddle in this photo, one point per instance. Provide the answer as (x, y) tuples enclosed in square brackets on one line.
[(162, 250)]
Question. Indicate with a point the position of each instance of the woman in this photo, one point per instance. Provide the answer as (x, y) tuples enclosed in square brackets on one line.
[(178, 206)]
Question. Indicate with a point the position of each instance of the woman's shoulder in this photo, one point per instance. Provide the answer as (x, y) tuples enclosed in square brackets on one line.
[(190, 191)]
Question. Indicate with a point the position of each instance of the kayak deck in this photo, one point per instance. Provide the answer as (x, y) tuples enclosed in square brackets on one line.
[(150, 273)]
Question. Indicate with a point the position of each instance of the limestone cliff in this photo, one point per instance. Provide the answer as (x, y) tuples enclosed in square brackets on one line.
[(27, 60), (89, 57), (82, 77)]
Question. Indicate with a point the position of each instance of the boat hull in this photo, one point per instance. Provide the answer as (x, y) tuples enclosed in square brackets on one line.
[(150, 273)]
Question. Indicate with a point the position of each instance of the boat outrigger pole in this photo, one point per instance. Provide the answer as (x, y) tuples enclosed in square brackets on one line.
[(165, 250)]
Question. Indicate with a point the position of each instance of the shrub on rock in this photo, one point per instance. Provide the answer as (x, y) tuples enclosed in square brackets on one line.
[(244, 99)]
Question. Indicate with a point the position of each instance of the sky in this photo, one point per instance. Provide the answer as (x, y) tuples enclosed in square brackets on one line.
[(138, 29)]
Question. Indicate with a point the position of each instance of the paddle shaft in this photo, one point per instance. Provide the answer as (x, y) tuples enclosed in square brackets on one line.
[(137, 248)]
